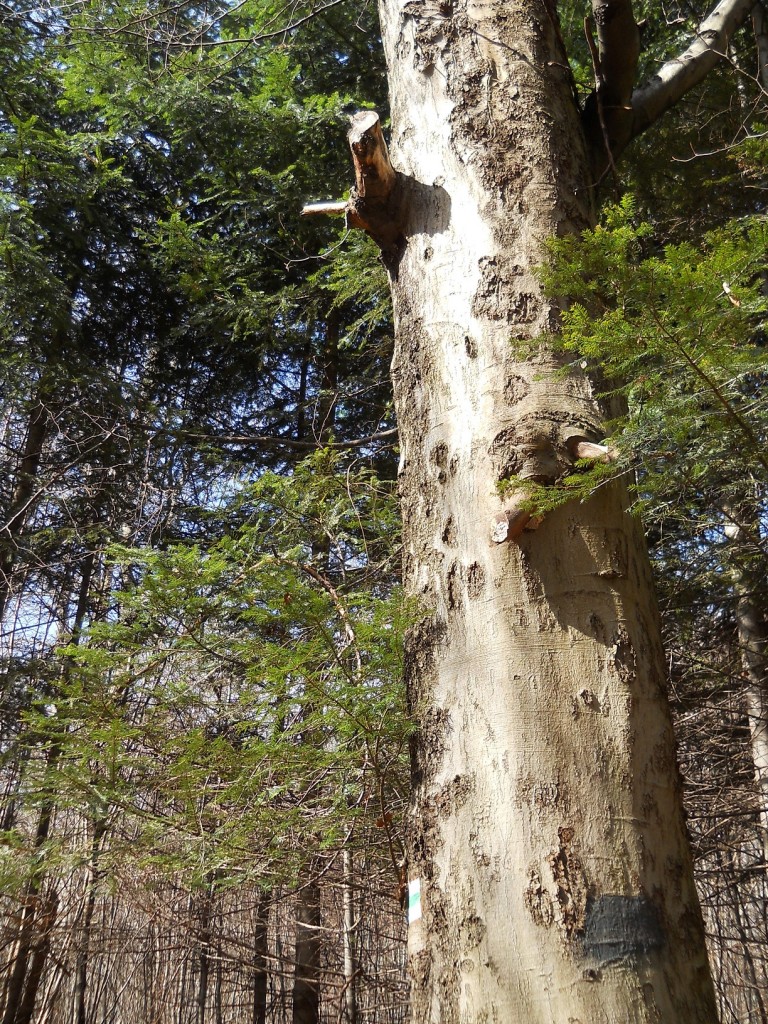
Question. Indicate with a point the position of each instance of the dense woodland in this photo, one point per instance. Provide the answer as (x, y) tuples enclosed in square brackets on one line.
[(203, 732)]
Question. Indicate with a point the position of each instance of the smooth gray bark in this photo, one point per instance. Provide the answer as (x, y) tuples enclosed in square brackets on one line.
[(546, 831), (678, 76), (619, 111)]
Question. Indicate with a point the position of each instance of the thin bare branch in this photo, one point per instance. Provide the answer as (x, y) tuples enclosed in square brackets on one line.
[(329, 208), (268, 441)]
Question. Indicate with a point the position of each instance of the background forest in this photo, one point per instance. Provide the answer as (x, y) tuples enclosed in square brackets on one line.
[(203, 734)]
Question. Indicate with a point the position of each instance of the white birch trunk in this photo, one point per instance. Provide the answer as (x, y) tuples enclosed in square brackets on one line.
[(546, 829), (350, 966)]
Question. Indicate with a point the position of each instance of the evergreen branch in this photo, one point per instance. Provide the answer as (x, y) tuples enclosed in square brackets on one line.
[(731, 412)]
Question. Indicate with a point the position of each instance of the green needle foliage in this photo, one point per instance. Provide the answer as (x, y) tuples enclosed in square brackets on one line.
[(240, 706), (679, 334), (215, 700)]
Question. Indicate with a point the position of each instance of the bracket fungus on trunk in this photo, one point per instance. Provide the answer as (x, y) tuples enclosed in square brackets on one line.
[(374, 204)]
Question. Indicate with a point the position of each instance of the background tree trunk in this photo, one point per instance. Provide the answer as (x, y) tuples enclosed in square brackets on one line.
[(744, 533), (546, 827), (260, 967), (306, 985), (350, 964), (82, 960), (23, 493), (37, 920)]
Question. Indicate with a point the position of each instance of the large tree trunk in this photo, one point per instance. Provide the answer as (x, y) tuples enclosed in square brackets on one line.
[(546, 830)]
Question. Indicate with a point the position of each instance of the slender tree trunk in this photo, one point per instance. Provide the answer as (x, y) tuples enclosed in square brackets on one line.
[(39, 915), (181, 1016), (750, 981), (306, 984), (260, 951), (17, 514), (321, 422), (551, 879), (83, 953), (350, 964), (760, 29), (753, 643), (37, 920), (44, 925), (301, 415), (329, 393), (218, 990), (204, 959)]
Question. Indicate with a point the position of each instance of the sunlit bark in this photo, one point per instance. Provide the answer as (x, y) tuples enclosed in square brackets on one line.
[(547, 842)]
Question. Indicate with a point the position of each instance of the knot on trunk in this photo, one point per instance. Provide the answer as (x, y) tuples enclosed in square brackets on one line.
[(537, 462)]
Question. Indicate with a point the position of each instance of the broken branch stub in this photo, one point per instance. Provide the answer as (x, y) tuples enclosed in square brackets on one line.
[(374, 203), (330, 208), (580, 448), (374, 174)]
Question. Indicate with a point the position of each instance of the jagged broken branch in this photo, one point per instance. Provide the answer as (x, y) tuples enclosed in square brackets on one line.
[(374, 202)]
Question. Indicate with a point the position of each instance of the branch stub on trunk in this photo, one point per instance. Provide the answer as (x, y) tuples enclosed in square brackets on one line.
[(374, 174), (374, 204)]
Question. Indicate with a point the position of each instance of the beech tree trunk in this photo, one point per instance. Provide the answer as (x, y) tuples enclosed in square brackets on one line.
[(550, 874)]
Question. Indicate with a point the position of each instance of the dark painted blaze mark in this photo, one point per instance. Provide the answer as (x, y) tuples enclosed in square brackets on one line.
[(621, 926)]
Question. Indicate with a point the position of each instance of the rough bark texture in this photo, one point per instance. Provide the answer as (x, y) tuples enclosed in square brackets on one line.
[(546, 829)]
